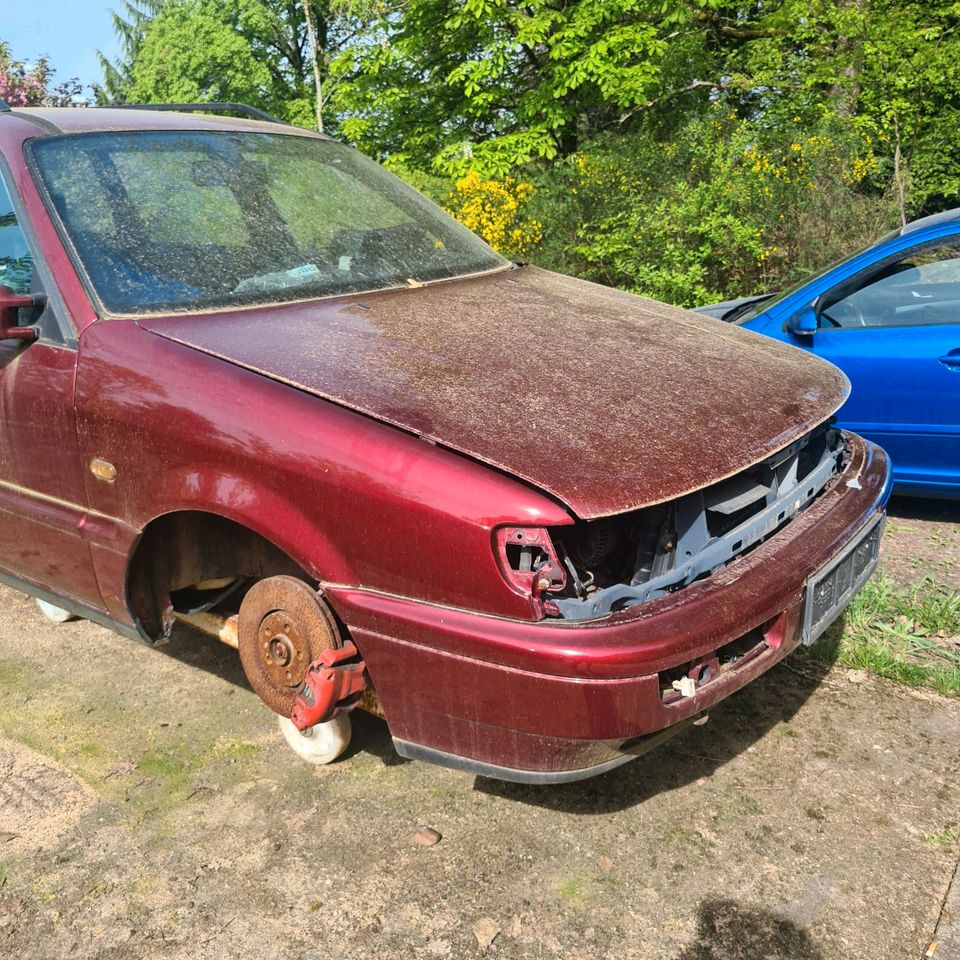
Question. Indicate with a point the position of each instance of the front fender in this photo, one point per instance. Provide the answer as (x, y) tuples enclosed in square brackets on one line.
[(353, 501), (259, 508)]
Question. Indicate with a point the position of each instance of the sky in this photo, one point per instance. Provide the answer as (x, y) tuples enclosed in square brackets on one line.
[(70, 31)]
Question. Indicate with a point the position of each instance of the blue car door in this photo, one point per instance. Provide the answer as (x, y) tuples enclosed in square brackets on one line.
[(895, 331)]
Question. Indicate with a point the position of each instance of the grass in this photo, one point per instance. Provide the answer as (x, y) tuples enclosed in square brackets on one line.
[(946, 837), (13, 676), (907, 634)]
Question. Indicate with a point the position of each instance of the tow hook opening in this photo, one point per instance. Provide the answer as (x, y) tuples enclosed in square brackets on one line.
[(531, 566), (688, 679)]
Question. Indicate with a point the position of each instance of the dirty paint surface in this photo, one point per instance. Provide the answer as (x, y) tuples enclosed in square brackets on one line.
[(607, 401), (98, 119)]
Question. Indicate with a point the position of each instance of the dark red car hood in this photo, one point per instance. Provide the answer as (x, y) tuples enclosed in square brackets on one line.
[(607, 401)]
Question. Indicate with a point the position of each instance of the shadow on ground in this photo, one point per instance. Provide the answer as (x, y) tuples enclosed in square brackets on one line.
[(728, 931), (734, 726), (924, 508), (201, 652)]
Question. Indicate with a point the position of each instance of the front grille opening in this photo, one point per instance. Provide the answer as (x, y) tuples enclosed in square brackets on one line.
[(618, 562)]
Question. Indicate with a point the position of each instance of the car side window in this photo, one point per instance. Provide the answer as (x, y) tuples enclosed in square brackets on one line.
[(922, 287), (16, 260)]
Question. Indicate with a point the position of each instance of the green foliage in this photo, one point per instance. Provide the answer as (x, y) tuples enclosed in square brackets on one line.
[(946, 837), (190, 54), (690, 150), (491, 84), (437, 188), (726, 207), (911, 96), (130, 25), (685, 149), (906, 634), (888, 69), (253, 51)]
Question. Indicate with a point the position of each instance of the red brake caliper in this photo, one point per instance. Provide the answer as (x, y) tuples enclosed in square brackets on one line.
[(333, 683)]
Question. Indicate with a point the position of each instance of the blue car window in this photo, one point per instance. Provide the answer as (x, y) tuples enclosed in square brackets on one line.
[(920, 288), (16, 261)]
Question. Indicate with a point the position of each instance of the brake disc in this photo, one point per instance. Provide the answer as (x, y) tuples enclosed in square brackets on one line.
[(283, 627)]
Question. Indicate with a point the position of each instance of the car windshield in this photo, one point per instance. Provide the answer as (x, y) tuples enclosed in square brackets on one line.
[(172, 221), (761, 306)]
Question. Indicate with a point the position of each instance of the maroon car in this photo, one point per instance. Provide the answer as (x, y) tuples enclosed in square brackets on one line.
[(252, 381)]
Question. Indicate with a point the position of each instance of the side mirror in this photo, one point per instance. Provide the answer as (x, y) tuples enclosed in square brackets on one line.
[(805, 322), (10, 304)]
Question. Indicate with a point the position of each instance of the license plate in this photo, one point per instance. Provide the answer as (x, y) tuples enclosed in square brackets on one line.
[(830, 589)]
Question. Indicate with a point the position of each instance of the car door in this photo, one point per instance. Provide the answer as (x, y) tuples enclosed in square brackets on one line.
[(42, 512), (894, 329)]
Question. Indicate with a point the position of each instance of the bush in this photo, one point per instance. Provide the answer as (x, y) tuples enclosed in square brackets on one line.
[(723, 209), (496, 209)]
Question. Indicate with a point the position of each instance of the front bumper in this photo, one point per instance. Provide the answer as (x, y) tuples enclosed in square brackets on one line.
[(554, 700)]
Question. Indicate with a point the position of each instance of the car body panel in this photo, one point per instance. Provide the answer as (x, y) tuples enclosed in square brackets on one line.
[(345, 496), (576, 692), (532, 372), (355, 436), (41, 480), (906, 400), (67, 287), (99, 119), (904, 396)]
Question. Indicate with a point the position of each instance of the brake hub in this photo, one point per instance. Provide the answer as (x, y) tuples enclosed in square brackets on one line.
[(284, 626)]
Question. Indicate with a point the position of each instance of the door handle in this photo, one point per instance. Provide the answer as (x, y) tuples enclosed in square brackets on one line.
[(951, 360)]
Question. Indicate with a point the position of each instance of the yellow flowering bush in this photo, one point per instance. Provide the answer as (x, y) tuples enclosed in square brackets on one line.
[(722, 207), (496, 209)]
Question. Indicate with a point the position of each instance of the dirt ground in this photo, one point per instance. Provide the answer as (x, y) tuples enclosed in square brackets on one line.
[(923, 540), (148, 809)]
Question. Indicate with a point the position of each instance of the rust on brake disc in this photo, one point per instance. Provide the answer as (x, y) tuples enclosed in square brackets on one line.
[(284, 625)]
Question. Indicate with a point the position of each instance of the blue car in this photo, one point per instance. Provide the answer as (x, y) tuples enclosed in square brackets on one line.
[(889, 317)]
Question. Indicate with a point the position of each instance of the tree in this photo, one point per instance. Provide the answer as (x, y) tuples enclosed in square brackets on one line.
[(492, 84), (189, 53), (23, 85), (688, 149), (255, 51), (130, 25)]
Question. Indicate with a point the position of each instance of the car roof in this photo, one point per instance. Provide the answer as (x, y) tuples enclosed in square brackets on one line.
[(53, 120), (934, 220)]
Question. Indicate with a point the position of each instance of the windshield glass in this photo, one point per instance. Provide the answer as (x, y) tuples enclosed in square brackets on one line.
[(762, 306), (168, 221)]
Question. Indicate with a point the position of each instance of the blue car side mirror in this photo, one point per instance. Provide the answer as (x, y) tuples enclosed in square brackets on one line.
[(805, 322)]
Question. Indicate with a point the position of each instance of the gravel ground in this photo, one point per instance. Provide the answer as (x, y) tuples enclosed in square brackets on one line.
[(148, 808)]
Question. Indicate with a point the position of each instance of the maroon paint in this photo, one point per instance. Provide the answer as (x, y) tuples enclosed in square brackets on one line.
[(352, 500), (551, 379), (14, 132), (399, 531), (535, 696), (93, 119), (41, 485)]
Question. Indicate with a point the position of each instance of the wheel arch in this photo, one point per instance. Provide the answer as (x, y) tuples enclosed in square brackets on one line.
[(181, 547)]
